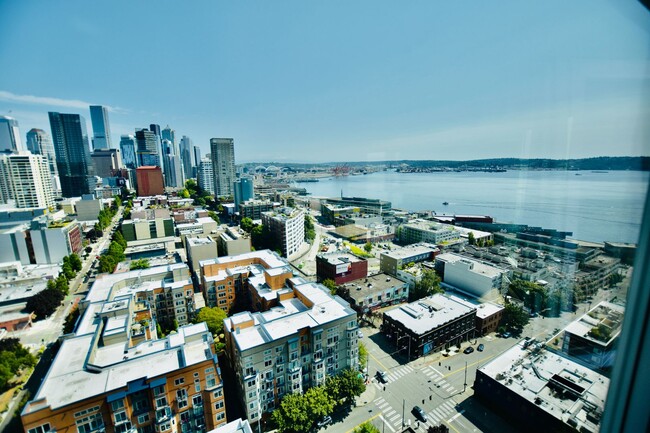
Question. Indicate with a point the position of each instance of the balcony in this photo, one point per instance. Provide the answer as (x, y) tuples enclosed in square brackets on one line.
[(163, 414)]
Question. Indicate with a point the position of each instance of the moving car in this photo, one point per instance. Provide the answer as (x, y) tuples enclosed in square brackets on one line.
[(419, 413), (325, 421), (381, 375), (469, 349), (480, 347)]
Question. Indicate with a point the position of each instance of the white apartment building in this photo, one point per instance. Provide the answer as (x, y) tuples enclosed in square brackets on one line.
[(26, 178), (471, 276), (205, 175), (427, 231), (309, 336), (288, 225)]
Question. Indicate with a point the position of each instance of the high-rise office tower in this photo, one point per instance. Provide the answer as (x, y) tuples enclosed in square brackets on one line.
[(128, 148), (223, 165), (106, 162), (197, 159), (169, 134), (185, 148), (70, 140), (148, 149), (173, 171), (10, 135), (205, 175), (40, 143), (101, 128), (244, 190), (26, 178)]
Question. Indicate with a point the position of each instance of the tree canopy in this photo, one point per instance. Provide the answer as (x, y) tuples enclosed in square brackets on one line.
[(310, 232), (514, 317), (139, 264), (428, 285), (13, 357), (45, 302), (366, 427), (213, 317)]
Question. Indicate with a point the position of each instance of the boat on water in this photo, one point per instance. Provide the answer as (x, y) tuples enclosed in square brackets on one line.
[(445, 203)]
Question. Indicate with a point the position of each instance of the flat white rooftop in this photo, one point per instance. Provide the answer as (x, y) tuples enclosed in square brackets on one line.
[(410, 251), (68, 381), (289, 317), (537, 374), (476, 266), (429, 313)]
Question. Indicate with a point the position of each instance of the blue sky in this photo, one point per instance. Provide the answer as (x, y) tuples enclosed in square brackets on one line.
[(339, 80)]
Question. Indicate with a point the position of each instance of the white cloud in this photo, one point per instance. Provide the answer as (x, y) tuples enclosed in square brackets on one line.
[(46, 100)]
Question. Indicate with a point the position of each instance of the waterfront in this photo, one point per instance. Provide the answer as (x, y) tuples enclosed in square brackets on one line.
[(595, 206)]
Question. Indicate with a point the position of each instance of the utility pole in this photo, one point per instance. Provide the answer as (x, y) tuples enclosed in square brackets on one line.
[(403, 406)]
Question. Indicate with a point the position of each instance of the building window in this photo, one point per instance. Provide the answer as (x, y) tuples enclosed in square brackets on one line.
[(40, 429), (120, 417), (160, 402), (210, 381), (220, 416), (117, 405), (179, 381), (218, 393), (218, 405), (143, 418)]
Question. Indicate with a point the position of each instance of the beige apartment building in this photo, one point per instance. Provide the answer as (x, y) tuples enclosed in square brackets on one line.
[(115, 375)]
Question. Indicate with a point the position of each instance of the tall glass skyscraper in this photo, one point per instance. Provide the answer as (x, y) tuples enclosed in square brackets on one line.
[(148, 148), (70, 139), (101, 128), (9, 135), (223, 165), (40, 143), (197, 160), (186, 156), (128, 148)]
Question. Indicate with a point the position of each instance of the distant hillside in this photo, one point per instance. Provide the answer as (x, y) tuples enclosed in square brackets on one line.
[(641, 163)]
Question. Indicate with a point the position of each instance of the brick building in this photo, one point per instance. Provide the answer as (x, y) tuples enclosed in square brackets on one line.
[(341, 267)]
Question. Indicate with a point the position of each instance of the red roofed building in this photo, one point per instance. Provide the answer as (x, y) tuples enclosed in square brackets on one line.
[(149, 181)]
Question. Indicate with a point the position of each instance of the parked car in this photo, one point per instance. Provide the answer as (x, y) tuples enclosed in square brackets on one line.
[(469, 349), (506, 335), (480, 347), (382, 376), (325, 421), (360, 334), (419, 413)]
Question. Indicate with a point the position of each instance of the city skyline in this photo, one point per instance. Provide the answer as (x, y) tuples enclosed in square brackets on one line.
[(293, 83)]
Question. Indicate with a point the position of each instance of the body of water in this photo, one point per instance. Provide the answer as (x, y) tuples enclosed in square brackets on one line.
[(595, 206)]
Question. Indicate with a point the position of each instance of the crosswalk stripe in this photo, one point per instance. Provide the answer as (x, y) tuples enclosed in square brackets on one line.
[(376, 385), (383, 405), (378, 399), (445, 386), (398, 422), (385, 423), (451, 389), (394, 418), (449, 405), (390, 412)]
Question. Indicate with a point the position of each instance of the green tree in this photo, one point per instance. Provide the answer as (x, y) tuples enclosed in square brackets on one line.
[(62, 284), (45, 302), (117, 201), (363, 355), (214, 216), (428, 285), (319, 402), (119, 238), (139, 264), (116, 251), (66, 270), (213, 317), (532, 294), (367, 247), (345, 386), (366, 427), (75, 262), (330, 284), (293, 415), (471, 239), (310, 232), (514, 317), (246, 224), (106, 263)]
